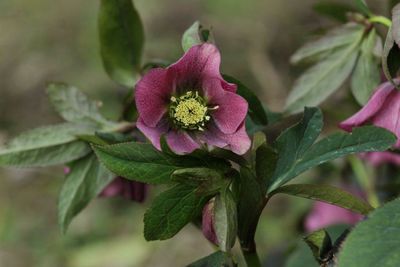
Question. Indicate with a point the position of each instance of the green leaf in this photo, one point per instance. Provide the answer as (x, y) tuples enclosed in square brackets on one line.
[(333, 40), (205, 179), (328, 194), (195, 35), (171, 211), (141, 162), (74, 106), (390, 57), (366, 76), (46, 146), (217, 259), (251, 202), (337, 11), (85, 181), (363, 139), (320, 244), (294, 142), (325, 77), (301, 257), (375, 241), (266, 161), (256, 109), (225, 217), (121, 40), (363, 8)]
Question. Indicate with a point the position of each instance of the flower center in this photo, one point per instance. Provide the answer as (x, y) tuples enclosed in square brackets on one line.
[(189, 111)]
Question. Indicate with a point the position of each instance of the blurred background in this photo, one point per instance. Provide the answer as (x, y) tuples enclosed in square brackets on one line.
[(43, 41)]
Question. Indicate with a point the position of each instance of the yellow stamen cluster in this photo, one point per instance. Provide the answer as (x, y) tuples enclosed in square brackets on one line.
[(189, 111)]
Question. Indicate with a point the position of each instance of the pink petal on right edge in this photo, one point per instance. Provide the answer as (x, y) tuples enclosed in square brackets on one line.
[(152, 96), (181, 142), (370, 109), (379, 158), (153, 133), (238, 142)]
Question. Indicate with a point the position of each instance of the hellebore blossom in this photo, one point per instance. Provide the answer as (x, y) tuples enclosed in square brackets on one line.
[(128, 189), (207, 224), (192, 105), (382, 110)]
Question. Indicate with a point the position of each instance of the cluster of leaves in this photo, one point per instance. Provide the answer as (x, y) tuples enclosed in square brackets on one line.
[(96, 149)]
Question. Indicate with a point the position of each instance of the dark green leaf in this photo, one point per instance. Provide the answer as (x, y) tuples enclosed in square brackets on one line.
[(74, 106), (363, 8), (121, 40), (225, 220), (335, 39), (92, 139), (256, 109), (390, 57), (46, 146), (328, 194), (85, 181), (195, 35), (363, 139), (375, 241), (141, 162), (320, 244), (266, 161), (325, 77), (114, 138), (337, 11), (301, 257), (251, 202), (171, 211), (366, 76), (217, 259), (295, 141)]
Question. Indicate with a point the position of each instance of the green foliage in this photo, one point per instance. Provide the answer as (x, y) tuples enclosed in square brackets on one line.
[(297, 153), (217, 259), (195, 35), (294, 142), (328, 194), (375, 241), (225, 216), (46, 146), (320, 244), (366, 76), (256, 110), (391, 57), (337, 11), (121, 36), (85, 181), (171, 211), (141, 162), (74, 106), (331, 71), (362, 7)]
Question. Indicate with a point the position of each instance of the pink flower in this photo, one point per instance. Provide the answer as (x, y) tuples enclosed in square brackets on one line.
[(192, 105), (207, 224), (323, 215), (382, 110), (128, 189)]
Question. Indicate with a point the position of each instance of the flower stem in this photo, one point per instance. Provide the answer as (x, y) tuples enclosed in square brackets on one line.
[(382, 20), (251, 258)]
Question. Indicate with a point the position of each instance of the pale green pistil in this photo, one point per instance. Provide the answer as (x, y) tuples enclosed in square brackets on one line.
[(189, 111)]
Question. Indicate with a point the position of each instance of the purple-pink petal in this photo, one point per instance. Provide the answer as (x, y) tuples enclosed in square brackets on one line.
[(128, 189), (152, 96), (207, 224), (376, 102), (198, 62), (231, 112), (153, 133), (181, 142), (238, 142)]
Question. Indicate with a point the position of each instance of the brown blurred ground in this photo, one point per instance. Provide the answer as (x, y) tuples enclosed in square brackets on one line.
[(43, 40)]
